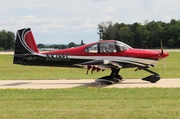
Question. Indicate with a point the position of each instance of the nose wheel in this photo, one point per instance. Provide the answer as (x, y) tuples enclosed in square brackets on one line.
[(152, 78)]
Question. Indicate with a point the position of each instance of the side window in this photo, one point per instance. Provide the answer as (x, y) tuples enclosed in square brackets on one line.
[(92, 49), (121, 46), (107, 47)]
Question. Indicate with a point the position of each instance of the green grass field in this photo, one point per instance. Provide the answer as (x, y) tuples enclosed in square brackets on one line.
[(9, 71), (90, 103)]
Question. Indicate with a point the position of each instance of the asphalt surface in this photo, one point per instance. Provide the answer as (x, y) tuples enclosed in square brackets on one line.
[(59, 84)]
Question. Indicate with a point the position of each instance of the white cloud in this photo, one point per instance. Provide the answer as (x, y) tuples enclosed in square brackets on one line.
[(88, 25), (74, 20), (155, 8), (108, 18), (46, 30), (27, 17), (110, 10), (78, 18), (167, 18)]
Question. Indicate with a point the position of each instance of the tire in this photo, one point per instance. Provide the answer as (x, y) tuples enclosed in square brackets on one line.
[(108, 83)]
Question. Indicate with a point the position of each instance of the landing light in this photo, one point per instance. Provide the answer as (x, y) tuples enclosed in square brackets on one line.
[(106, 62)]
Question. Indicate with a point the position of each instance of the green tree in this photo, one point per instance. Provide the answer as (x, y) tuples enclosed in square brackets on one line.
[(7, 40), (63, 46), (171, 42), (134, 28), (112, 33), (55, 46), (3, 40), (71, 44), (137, 35), (40, 45)]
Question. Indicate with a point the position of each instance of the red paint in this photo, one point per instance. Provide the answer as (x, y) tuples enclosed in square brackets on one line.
[(29, 39)]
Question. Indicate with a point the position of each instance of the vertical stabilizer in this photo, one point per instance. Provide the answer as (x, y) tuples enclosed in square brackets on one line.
[(25, 43)]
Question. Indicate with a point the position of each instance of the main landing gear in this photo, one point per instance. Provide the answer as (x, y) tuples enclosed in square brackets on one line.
[(112, 78)]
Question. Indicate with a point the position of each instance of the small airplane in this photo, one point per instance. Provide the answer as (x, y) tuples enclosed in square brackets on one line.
[(105, 54)]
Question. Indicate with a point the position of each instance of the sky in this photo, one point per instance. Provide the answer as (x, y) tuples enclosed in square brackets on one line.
[(65, 21)]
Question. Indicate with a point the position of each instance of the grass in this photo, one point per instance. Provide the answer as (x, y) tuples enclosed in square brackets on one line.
[(90, 103), (9, 71)]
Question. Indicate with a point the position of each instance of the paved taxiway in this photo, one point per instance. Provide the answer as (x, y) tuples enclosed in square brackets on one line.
[(50, 84)]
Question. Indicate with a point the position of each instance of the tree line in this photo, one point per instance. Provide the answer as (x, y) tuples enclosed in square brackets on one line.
[(60, 46), (147, 35), (7, 41)]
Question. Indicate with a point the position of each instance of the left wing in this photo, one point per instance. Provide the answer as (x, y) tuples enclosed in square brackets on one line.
[(103, 64), (99, 65)]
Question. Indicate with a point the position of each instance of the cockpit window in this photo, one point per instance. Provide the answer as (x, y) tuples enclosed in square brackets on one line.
[(103, 47), (122, 46), (92, 49), (107, 47)]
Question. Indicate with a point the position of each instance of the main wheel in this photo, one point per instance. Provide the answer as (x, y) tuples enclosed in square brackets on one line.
[(108, 83), (116, 81), (119, 77), (153, 81)]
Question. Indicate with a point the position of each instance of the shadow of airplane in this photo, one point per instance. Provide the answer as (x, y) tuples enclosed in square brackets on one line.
[(16, 84), (74, 84)]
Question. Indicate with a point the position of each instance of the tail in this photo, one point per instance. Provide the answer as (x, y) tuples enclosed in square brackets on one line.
[(25, 45)]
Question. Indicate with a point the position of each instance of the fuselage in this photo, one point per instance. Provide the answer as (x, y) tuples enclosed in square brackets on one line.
[(110, 50), (106, 54)]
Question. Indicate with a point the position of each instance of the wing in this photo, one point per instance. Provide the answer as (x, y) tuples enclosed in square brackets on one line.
[(102, 64), (99, 65)]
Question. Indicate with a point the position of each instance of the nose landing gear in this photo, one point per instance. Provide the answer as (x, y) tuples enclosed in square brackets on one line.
[(152, 78)]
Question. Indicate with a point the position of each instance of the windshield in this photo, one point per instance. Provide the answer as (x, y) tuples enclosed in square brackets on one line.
[(122, 46)]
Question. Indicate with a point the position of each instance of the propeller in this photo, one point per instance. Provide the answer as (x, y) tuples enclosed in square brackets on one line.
[(162, 52), (164, 61)]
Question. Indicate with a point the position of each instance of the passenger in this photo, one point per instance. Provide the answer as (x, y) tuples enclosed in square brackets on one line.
[(111, 48)]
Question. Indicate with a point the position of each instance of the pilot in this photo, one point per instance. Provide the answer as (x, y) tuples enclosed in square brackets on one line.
[(111, 48)]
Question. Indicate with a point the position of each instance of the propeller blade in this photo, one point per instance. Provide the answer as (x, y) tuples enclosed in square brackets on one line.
[(161, 47), (164, 61), (162, 51)]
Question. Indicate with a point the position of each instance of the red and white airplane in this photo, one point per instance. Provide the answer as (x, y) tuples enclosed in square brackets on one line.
[(106, 54)]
